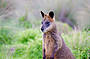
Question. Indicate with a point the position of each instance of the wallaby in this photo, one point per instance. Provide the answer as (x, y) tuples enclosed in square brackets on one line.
[(53, 44)]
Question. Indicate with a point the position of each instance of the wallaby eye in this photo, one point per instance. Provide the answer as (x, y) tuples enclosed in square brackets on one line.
[(47, 23)]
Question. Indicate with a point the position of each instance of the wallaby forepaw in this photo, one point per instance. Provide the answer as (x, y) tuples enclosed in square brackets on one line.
[(43, 57), (51, 57)]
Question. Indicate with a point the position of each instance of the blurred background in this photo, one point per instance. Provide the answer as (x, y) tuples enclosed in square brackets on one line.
[(20, 20)]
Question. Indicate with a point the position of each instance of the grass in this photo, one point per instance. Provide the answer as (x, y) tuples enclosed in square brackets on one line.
[(27, 44), (21, 39), (6, 36), (79, 43)]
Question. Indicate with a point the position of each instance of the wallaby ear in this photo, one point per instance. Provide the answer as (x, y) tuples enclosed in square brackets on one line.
[(42, 14), (51, 14)]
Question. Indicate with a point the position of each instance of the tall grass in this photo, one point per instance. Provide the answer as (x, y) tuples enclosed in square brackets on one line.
[(79, 43), (27, 44), (20, 37), (6, 35)]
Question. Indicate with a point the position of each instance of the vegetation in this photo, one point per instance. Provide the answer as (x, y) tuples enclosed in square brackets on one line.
[(27, 44), (20, 35)]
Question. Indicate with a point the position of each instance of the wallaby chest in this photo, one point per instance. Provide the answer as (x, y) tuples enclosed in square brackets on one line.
[(49, 44)]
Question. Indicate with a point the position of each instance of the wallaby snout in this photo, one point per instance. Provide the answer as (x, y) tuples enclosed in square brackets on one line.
[(42, 28)]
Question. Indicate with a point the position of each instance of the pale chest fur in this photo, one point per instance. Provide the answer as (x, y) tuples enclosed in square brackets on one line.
[(49, 43)]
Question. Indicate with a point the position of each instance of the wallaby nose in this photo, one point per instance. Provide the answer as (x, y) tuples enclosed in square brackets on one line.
[(42, 29)]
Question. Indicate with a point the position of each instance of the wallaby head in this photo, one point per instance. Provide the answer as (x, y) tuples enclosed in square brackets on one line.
[(48, 22)]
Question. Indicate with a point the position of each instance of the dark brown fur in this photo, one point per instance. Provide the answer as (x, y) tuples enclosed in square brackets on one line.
[(53, 44), (55, 47)]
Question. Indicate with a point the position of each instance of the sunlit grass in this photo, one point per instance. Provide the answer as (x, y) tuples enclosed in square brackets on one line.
[(27, 44), (78, 41)]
